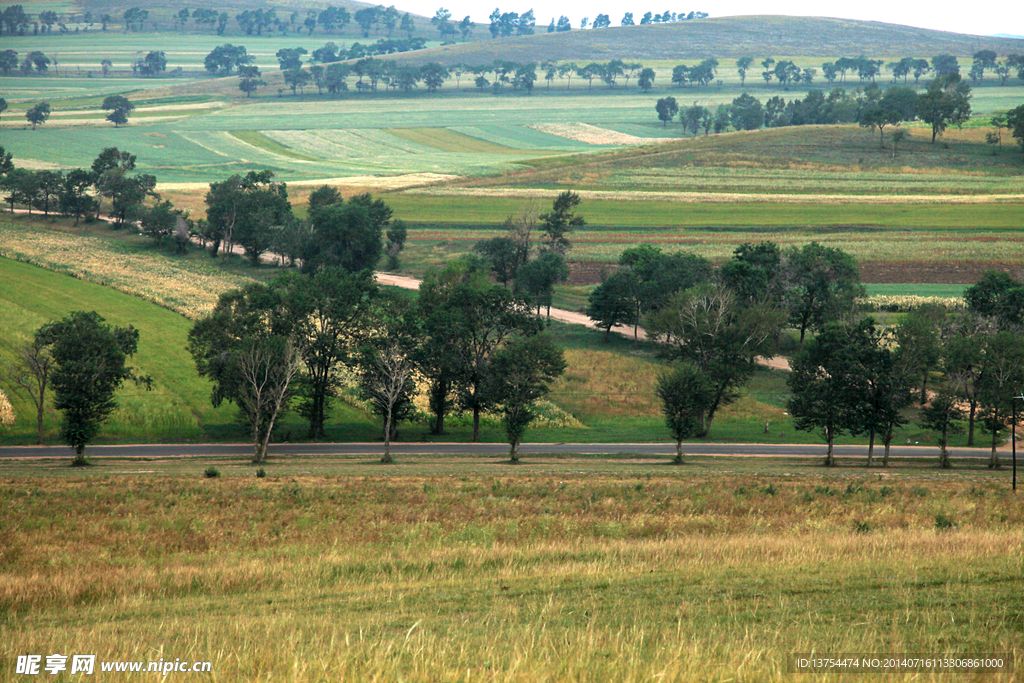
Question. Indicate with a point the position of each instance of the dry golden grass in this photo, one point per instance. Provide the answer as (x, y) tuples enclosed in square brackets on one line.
[(187, 287), (545, 577)]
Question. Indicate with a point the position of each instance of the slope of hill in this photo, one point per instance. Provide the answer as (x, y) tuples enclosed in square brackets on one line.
[(727, 37)]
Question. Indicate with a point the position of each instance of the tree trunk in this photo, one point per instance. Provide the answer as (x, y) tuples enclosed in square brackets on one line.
[(679, 452), (387, 459), (888, 442), (993, 461), (970, 423), (476, 423), (513, 452), (924, 388), (943, 453), (871, 445), (830, 460)]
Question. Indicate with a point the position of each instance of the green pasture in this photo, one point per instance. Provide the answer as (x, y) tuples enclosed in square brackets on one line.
[(178, 407), (913, 289)]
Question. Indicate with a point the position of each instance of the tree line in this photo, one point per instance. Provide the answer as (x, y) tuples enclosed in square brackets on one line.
[(944, 102), (474, 343), (14, 20), (714, 324)]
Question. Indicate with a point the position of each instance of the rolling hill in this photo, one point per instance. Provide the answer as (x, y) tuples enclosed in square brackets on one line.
[(726, 37)]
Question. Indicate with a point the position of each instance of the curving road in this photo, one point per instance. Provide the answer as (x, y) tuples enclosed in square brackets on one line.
[(495, 449)]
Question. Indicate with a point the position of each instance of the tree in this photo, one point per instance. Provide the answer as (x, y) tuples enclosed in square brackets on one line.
[(74, 198), (522, 373), (38, 114), (627, 19), (244, 348), (503, 256), (249, 210), (224, 59), (610, 303), (998, 296), (31, 375), (1015, 122), (559, 223), (481, 317), (941, 416), (692, 117), (249, 79), (38, 61), (945, 65), (709, 328), (946, 101), (387, 363), (89, 365), (265, 369), (119, 108), (667, 109), (825, 283), (153, 64), (917, 336), (343, 235), (159, 221), (746, 113), (685, 394), (8, 61), (646, 82), (827, 387), (742, 64), (537, 278), (602, 21), (1002, 381)]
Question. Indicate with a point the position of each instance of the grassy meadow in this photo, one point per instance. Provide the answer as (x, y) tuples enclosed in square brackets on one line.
[(451, 569)]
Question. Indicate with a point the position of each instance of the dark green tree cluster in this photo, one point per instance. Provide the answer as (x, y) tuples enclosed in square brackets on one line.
[(79, 193), (946, 101), (471, 342), (855, 378), (509, 257)]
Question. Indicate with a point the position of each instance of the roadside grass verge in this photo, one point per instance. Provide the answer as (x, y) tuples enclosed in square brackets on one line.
[(578, 571)]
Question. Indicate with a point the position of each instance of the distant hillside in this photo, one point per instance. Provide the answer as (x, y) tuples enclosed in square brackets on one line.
[(163, 14), (726, 37)]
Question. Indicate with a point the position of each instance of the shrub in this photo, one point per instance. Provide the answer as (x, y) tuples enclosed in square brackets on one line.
[(261, 473), (211, 472), (944, 523)]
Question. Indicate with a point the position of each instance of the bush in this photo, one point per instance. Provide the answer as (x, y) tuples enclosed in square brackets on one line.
[(211, 472), (261, 473), (944, 523)]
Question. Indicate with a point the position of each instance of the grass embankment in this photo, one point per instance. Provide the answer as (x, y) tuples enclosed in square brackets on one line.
[(566, 572)]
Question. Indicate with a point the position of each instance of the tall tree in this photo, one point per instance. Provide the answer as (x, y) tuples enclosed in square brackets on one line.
[(667, 108), (707, 327), (941, 415), (825, 283), (119, 107), (521, 374), (946, 101), (827, 387), (30, 374), (38, 114), (245, 348), (89, 365), (686, 393), (558, 224)]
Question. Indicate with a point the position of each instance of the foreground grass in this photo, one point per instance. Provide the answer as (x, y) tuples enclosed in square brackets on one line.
[(568, 571)]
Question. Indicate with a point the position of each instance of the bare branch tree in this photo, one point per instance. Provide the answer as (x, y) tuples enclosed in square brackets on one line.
[(394, 366), (266, 369), (31, 374)]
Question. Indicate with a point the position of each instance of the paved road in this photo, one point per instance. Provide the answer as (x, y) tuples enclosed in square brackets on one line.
[(495, 449)]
